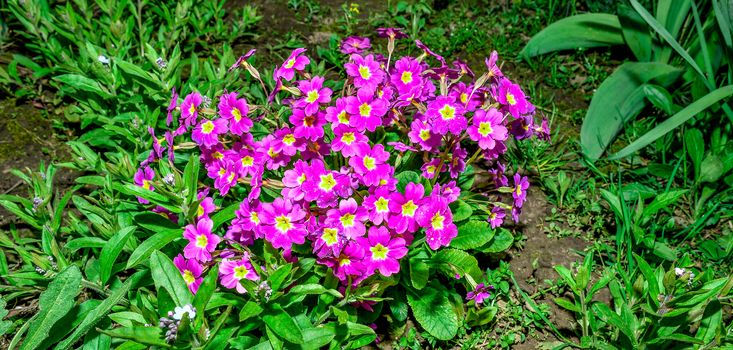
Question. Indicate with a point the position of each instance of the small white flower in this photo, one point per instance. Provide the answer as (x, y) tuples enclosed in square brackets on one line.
[(179, 311), (679, 271), (103, 59), (168, 179)]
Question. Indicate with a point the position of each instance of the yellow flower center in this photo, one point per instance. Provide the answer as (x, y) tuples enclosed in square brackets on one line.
[(364, 72), (290, 63), (309, 120), (485, 128), (146, 184), (231, 176), (348, 138), (192, 109), (327, 182), (406, 77), (448, 112), (518, 190), (382, 205), (283, 224), (222, 171), (464, 97), (301, 178), (254, 217), (431, 169), (202, 241), (365, 110), (343, 117), (437, 221), (237, 114), (217, 155), (379, 252), (240, 272), (312, 96), (247, 161), (409, 208), (200, 211), (425, 134), (330, 236), (510, 99), (271, 152), (344, 260), (369, 163), (289, 139), (347, 220), (188, 277), (207, 127)]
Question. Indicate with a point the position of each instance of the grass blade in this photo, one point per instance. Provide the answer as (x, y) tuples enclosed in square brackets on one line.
[(675, 121)]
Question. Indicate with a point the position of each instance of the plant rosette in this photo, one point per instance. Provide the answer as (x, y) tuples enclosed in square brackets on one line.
[(331, 198)]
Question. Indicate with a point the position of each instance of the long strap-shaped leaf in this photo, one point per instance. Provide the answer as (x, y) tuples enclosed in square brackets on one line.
[(659, 28), (676, 120)]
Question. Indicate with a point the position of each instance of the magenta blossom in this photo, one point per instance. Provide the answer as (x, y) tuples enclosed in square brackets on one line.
[(367, 110), (314, 94), (479, 294), (233, 271), (348, 218), (355, 45), (512, 97), (446, 116), (377, 205), (207, 131), (422, 134), (307, 126), (369, 163), (487, 129), (407, 75), (201, 241), (191, 272), (521, 184), (349, 262), (293, 180), (430, 169), (437, 219), (392, 33), (245, 227), (294, 63), (205, 208), (143, 178), (365, 71), (404, 208), (282, 223), (496, 217), (235, 111), (337, 114), (382, 251), (347, 140), (189, 109)]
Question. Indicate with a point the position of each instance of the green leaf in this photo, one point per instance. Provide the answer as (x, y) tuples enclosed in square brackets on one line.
[(406, 177), (99, 312), (711, 168), (566, 276), (461, 210), (153, 243), (224, 215), (659, 97), (453, 261), (695, 145), (111, 250), (674, 121), (55, 302), (142, 335), (433, 310), (419, 273), (4, 325), (472, 234), (317, 337), (283, 324), (620, 98), (662, 201), (575, 32), (85, 242), (566, 304), (636, 33), (500, 242), (712, 319), (249, 310), (314, 289), (205, 291), (166, 276), (81, 82)]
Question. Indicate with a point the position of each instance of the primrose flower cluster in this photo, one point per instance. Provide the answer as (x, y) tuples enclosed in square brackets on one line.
[(326, 176)]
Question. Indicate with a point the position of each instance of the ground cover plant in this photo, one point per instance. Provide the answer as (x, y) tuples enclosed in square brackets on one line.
[(155, 241)]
